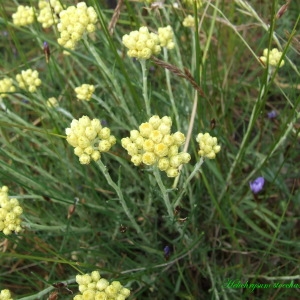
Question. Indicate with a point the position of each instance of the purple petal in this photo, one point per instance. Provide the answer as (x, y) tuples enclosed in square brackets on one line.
[(257, 185)]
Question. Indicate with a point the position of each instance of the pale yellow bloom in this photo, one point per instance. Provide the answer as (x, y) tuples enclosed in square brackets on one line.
[(74, 22), (93, 287), (89, 140), (153, 144), (6, 86), (189, 21), (208, 145), (166, 36), (23, 16), (142, 44), (52, 102), (29, 80), (84, 92), (10, 213), (274, 57), (48, 12)]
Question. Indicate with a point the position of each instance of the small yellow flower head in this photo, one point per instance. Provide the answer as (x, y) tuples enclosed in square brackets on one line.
[(6, 86), (142, 44), (274, 57), (208, 145), (84, 92), (75, 21), (5, 295), (93, 287), (189, 21), (166, 35), (10, 212), (48, 12), (89, 139), (190, 3), (29, 80), (52, 102), (23, 16), (153, 144)]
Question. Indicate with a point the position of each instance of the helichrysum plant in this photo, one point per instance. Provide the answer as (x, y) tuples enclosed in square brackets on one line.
[(10, 213), (208, 145), (189, 21), (48, 12), (85, 91), (190, 3), (75, 21), (142, 44), (29, 80), (93, 286), (52, 102), (5, 295), (24, 16), (89, 139), (6, 86), (166, 35), (153, 144), (272, 57)]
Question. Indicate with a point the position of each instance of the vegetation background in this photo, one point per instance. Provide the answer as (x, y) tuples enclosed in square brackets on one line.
[(220, 231)]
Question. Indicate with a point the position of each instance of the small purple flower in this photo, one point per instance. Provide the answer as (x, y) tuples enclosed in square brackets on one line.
[(257, 185), (272, 114), (167, 252)]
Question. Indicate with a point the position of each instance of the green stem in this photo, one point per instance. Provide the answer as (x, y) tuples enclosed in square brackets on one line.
[(196, 169), (170, 90), (145, 87), (121, 197), (164, 193)]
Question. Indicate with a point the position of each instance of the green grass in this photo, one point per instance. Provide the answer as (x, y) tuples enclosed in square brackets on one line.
[(216, 228)]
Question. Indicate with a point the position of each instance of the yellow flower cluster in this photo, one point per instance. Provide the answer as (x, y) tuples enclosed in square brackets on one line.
[(10, 212), (48, 12), (23, 16), (274, 57), (141, 44), (52, 102), (84, 92), (89, 139), (154, 144), (189, 21), (29, 80), (75, 21), (93, 287), (208, 145), (6, 86), (5, 295), (191, 3), (165, 35)]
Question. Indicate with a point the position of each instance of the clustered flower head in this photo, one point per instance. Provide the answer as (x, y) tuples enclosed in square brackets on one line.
[(89, 139), (274, 57), (142, 44), (48, 12), (208, 145), (23, 16), (6, 86), (75, 21), (93, 287), (85, 91), (29, 80), (191, 3), (10, 212), (154, 144), (166, 35), (52, 102), (5, 295), (189, 21)]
